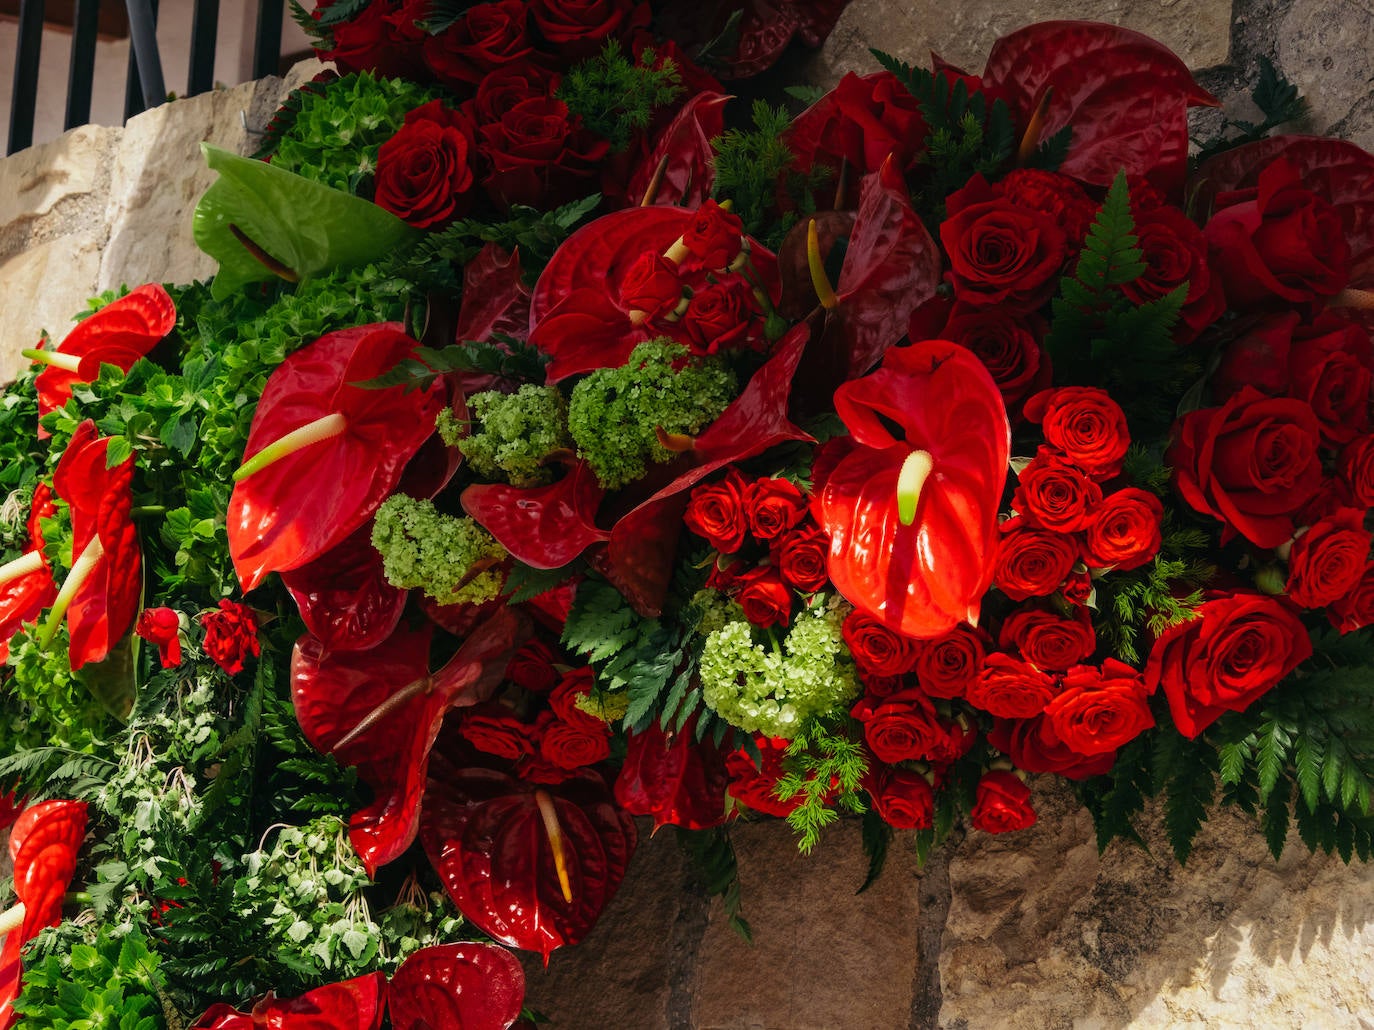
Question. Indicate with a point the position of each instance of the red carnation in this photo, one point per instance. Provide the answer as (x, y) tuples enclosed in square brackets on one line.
[(231, 636)]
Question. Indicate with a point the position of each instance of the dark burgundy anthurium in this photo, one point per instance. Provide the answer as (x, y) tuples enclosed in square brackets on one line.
[(343, 596), (44, 843), (323, 453), (351, 1005), (545, 527), (678, 780), (912, 518), (381, 710), (531, 865), (26, 584), (680, 168), (463, 986), (101, 594), (118, 334)]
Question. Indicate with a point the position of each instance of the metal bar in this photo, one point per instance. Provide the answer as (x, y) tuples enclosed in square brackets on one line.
[(24, 99), (133, 91), (267, 41), (143, 36), (204, 25), (81, 73)]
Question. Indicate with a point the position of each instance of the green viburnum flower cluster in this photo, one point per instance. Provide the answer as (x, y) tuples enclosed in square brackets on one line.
[(776, 691), (423, 548), (513, 433), (339, 128), (614, 412)]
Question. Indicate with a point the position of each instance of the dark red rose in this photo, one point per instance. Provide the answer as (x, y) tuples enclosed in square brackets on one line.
[(1048, 640), (572, 746), (539, 154), (720, 316), (1053, 493), (1078, 588), (903, 727), (726, 578), (161, 627), (493, 729), (1329, 368), (876, 648), (1356, 609), (231, 636), (800, 556), (1332, 495), (563, 699), (577, 28), (1032, 745), (532, 667), (1277, 242), (1006, 341), (1099, 710), (487, 38), (1032, 562), (651, 286), (876, 685), (714, 236), (1329, 559), (1086, 425), (774, 507), (1000, 253), (947, 665), (765, 598), (424, 173), (869, 118), (1250, 463), (1002, 803), (1010, 688), (368, 42), (754, 787), (1175, 253), (1125, 530), (716, 512), (404, 21), (1237, 649), (903, 799), (501, 90), (1258, 357), (1052, 194), (1356, 468)]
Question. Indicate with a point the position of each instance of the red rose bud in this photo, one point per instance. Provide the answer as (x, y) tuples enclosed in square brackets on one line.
[(903, 799), (1085, 425), (1100, 710), (162, 628), (765, 598), (1328, 560), (1125, 531), (424, 173), (532, 668), (1002, 803), (651, 288), (715, 236), (231, 636), (800, 557), (877, 649), (716, 512), (1010, 688), (774, 507)]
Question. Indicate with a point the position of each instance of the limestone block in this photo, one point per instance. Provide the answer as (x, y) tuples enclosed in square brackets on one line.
[(54, 188), (1326, 47), (43, 287), (962, 33), (822, 958)]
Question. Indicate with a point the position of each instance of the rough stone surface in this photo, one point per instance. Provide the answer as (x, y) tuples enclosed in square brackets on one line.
[(43, 287), (1326, 47), (55, 187)]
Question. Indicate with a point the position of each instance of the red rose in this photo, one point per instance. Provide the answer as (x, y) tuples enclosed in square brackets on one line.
[(877, 685), (1002, 803), (1175, 253), (404, 21), (501, 90), (368, 42), (1125, 531), (564, 697), (716, 512), (1356, 468), (231, 636), (1356, 609), (1010, 688), (1000, 253), (876, 648), (572, 746), (1250, 463), (1032, 745), (423, 172), (947, 665), (493, 729), (161, 627), (1236, 649), (714, 236), (1277, 242), (487, 38), (532, 667), (1053, 493), (651, 286), (1329, 559), (755, 787), (902, 727), (903, 799), (728, 578), (1048, 640), (1006, 341), (577, 28), (1032, 562), (1052, 194), (774, 507), (1258, 358), (766, 599), (1329, 369), (1078, 588), (719, 316), (800, 556), (871, 116), (539, 154), (1100, 710), (1086, 425)]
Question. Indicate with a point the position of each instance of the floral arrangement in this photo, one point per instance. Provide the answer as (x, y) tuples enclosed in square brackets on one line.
[(557, 446)]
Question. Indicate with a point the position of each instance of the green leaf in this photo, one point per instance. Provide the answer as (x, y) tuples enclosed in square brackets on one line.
[(308, 228), (877, 835)]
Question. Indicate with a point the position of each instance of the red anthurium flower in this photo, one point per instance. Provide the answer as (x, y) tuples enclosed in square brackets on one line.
[(495, 300), (118, 334), (343, 597), (913, 519), (26, 584), (684, 151), (380, 710), (350, 1005), (44, 843), (464, 986), (533, 866), (344, 449), (545, 526), (677, 780), (101, 594)]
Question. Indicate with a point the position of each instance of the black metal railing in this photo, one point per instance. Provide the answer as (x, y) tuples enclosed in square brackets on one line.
[(144, 85)]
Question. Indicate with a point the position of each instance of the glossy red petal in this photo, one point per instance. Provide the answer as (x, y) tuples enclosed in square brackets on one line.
[(545, 526), (587, 330), (295, 510), (686, 143), (495, 301), (23, 600), (483, 831), (678, 781), (465, 986), (343, 597), (351, 1005)]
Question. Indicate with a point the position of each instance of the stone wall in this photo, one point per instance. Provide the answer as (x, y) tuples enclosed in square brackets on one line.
[(1034, 930)]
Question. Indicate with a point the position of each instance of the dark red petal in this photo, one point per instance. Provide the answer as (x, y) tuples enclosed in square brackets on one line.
[(545, 526), (678, 781), (686, 143), (466, 986), (495, 301), (351, 1005), (344, 598)]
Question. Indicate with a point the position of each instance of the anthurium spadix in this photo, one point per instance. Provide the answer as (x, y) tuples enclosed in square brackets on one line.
[(323, 451), (912, 514)]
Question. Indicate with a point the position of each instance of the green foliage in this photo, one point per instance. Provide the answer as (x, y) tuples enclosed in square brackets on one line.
[(46, 704), (826, 761), (508, 358), (514, 433), (615, 413), (877, 837), (21, 456), (1186, 771), (616, 97), (113, 983), (750, 163), (1277, 99), (449, 557), (714, 865), (1114, 800)]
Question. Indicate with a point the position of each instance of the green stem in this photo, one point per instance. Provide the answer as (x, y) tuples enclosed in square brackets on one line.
[(325, 428)]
